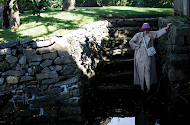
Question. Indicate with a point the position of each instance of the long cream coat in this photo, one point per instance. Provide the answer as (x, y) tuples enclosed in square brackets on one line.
[(135, 43)]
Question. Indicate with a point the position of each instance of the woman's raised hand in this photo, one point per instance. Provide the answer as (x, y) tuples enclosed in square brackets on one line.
[(168, 25)]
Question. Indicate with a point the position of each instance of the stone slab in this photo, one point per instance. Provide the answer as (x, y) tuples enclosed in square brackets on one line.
[(46, 75)]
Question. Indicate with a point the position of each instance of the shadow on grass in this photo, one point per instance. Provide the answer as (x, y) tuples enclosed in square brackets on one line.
[(97, 12), (10, 35), (51, 19)]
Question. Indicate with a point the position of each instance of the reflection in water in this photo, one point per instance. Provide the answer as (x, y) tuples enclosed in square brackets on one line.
[(122, 121), (126, 110)]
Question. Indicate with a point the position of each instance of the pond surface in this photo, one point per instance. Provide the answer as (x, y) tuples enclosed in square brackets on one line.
[(131, 107)]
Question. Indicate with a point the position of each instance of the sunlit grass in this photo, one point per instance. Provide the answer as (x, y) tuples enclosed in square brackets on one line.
[(58, 22)]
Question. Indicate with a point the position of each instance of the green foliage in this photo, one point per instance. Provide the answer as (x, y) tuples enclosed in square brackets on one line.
[(55, 3), (3, 1), (142, 3), (34, 5)]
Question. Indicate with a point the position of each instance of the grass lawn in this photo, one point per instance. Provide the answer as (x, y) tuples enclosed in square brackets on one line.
[(55, 22)]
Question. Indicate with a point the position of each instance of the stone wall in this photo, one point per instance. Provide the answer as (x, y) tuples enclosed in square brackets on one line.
[(175, 52), (44, 77), (176, 49)]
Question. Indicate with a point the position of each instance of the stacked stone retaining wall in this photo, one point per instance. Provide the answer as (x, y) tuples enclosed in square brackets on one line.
[(175, 52), (44, 77)]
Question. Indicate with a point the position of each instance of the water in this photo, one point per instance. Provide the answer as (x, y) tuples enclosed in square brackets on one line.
[(131, 107), (122, 121)]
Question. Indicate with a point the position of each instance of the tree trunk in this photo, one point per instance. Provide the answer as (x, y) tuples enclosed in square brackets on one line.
[(14, 18), (68, 5), (4, 12)]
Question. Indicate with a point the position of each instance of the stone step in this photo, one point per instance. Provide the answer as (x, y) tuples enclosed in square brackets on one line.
[(116, 65), (133, 22), (111, 42), (115, 86), (117, 77), (117, 51), (125, 31)]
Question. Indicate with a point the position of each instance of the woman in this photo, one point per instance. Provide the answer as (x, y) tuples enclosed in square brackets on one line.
[(144, 65)]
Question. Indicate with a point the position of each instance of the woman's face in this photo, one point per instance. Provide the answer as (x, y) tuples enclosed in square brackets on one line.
[(146, 31)]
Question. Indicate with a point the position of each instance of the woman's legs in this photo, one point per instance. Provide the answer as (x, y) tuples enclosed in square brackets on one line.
[(147, 74)]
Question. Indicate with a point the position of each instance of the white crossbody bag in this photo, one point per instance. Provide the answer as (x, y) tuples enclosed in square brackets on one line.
[(150, 51)]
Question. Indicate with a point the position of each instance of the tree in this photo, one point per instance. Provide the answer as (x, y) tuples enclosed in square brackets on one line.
[(14, 15), (11, 7), (68, 5), (4, 12)]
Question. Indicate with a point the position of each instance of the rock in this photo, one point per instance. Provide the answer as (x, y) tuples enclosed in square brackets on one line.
[(62, 42), (30, 90), (179, 40), (7, 51), (29, 52), (182, 30), (64, 60), (34, 69), (1, 81), (54, 39), (42, 104), (56, 68), (63, 52), (151, 19), (73, 119), (34, 63), (25, 113), (45, 50), (18, 67), (174, 75), (13, 73), (34, 58), (46, 69), (67, 70), (26, 78), (43, 43), (12, 79), (25, 41), (52, 81), (22, 60), (20, 48), (52, 55), (179, 57), (52, 111), (12, 59), (44, 98), (46, 63), (67, 82), (70, 111), (14, 51), (2, 52), (40, 39), (43, 87), (4, 66), (46, 75), (33, 45), (53, 91), (126, 23), (139, 19), (8, 44), (73, 102), (1, 59), (70, 94)]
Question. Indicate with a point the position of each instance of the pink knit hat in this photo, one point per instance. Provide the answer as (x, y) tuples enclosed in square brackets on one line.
[(145, 26)]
